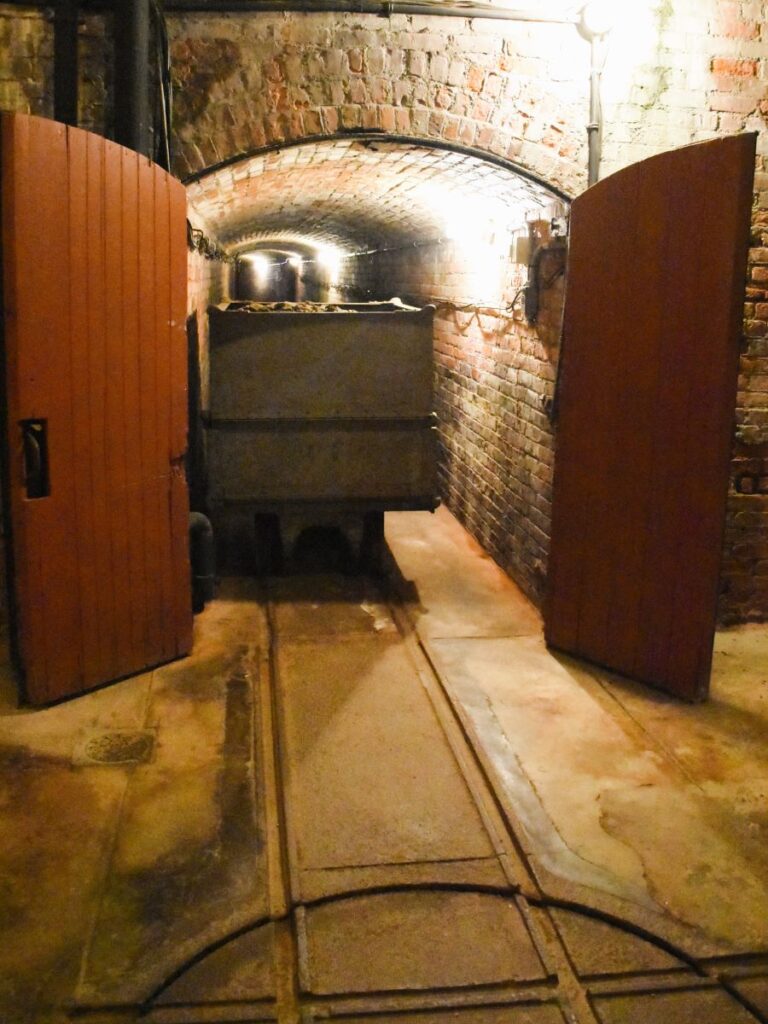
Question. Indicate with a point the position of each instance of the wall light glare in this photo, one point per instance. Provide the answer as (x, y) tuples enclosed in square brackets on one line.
[(295, 261), (262, 266), (598, 17), (329, 259)]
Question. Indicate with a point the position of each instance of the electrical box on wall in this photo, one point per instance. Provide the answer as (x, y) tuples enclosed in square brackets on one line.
[(539, 232), (520, 250), (547, 250)]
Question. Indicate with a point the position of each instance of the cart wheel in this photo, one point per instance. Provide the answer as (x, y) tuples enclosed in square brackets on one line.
[(372, 544), (268, 544)]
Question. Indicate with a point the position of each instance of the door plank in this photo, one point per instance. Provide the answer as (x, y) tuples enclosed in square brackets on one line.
[(50, 396), (177, 234), (100, 540), (148, 413), (136, 579), (672, 506), (163, 405), (653, 310), (117, 412), (634, 448), (79, 342), (602, 463)]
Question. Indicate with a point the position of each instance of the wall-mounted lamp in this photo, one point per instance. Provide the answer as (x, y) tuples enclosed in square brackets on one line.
[(262, 267), (597, 18), (329, 259)]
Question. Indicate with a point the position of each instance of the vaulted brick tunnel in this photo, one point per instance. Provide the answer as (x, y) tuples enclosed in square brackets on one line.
[(371, 218)]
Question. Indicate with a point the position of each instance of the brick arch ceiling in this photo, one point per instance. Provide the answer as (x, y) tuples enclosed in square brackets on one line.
[(358, 195)]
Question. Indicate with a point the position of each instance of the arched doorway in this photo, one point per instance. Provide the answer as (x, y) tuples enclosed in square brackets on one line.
[(371, 217)]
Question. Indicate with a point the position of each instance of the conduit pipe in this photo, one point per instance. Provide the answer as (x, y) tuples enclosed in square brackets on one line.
[(132, 110), (380, 7), (383, 8), (594, 132), (65, 64), (598, 45), (202, 560), (379, 135)]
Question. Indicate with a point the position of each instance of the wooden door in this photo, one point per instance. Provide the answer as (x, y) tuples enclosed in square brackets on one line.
[(653, 313), (94, 285)]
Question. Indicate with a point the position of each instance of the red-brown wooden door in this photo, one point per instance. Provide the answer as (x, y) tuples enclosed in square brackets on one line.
[(94, 289), (648, 382)]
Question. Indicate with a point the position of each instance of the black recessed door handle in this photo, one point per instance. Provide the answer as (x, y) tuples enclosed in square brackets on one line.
[(34, 439)]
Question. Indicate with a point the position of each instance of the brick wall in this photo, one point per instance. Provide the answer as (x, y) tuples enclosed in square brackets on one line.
[(508, 88), (26, 65), (493, 385), (209, 282), (678, 71), (26, 71)]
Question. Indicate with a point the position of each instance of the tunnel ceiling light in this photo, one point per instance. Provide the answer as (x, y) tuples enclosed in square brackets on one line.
[(261, 263), (598, 17), (329, 258)]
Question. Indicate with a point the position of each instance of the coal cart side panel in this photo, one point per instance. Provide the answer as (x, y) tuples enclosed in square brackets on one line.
[(324, 409), (367, 365), (386, 464)]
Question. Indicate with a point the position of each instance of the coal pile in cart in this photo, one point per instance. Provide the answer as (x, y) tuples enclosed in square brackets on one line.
[(320, 419)]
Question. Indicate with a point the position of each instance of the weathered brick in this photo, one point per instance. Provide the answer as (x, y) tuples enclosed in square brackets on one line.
[(357, 92), (334, 62), (475, 78), (330, 117), (370, 117), (456, 72), (735, 103), (417, 63), (734, 67), (730, 23), (375, 60), (754, 328), (312, 122), (355, 60), (444, 97), (438, 68)]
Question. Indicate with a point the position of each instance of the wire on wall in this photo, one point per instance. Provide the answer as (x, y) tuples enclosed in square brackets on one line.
[(198, 241), (164, 87)]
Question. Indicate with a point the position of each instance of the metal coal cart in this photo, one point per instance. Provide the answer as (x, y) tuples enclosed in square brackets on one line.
[(319, 414)]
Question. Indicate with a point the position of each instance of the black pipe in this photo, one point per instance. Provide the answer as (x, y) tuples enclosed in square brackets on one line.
[(195, 461), (132, 109), (384, 137), (164, 89), (380, 7), (202, 560), (65, 67)]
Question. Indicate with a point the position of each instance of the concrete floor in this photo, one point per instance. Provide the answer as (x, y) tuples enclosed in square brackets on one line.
[(387, 804)]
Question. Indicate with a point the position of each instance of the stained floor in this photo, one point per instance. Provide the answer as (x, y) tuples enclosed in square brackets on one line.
[(387, 802)]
